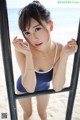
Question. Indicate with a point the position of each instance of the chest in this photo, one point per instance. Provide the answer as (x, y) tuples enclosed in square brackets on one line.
[(44, 62)]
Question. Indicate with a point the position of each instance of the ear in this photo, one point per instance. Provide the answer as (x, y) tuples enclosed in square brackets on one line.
[(51, 25)]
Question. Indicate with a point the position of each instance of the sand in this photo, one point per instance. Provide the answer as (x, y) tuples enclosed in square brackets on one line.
[(57, 104)]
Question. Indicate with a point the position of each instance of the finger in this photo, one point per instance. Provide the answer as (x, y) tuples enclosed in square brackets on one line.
[(72, 43), (26, 43), (72, 40), (74, 48), (71, 50), (14, 40), (23, 45), (17, 40)]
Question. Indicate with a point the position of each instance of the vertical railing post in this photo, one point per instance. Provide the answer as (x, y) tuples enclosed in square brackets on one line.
[(7, 60), (74, 79)]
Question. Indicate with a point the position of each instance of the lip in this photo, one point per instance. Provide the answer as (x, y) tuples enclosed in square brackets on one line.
[(38, 44)]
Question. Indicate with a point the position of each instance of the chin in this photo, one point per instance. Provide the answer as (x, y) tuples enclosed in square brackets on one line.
[(41, 49)]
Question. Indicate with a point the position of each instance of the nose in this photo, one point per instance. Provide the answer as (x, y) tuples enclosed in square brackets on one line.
[(35, 37)]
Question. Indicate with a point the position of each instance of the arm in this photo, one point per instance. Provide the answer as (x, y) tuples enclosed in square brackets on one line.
[(29, 77), (25, 62), (59, 78)]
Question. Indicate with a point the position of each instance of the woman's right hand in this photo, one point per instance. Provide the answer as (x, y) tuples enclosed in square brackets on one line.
[(21, 46)]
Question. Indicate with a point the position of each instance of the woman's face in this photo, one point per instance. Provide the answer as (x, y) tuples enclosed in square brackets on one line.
[(37, 35)]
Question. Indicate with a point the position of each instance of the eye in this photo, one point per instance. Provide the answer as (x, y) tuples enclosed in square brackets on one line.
[(26, 33), (37, 29)]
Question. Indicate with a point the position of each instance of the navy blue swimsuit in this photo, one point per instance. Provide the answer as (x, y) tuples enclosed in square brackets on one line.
[(43, 78)]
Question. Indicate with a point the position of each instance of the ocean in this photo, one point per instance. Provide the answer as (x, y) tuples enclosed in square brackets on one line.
[(65, 21)]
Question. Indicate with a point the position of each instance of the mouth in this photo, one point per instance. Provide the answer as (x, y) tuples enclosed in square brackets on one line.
[(39, 44)]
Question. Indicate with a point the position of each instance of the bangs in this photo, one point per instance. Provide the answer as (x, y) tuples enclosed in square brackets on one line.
[(35, 11)]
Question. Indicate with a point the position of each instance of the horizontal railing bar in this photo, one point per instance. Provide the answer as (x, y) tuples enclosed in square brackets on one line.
[(43, 92)]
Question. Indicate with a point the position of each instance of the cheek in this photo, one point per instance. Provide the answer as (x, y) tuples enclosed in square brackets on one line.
[(44, 35)]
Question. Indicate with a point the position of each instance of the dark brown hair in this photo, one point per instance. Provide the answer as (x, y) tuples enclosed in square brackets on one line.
[(33, 10)]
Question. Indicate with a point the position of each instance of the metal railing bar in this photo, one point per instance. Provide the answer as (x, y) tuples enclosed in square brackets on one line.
[(37, 93)]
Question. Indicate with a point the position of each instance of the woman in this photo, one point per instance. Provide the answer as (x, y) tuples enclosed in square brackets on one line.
[(40, 59)]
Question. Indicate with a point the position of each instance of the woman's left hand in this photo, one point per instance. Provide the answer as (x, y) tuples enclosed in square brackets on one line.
[(70, 48)]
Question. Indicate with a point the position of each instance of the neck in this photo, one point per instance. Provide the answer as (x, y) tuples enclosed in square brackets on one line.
[(49, 46)]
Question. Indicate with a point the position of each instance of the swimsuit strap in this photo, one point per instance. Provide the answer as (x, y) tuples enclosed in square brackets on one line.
[(55, 54)]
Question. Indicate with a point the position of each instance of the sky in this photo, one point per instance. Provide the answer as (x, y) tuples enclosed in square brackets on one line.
[(47, 3)]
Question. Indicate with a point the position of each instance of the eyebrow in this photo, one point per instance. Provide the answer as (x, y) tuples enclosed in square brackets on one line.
[(36, 26)]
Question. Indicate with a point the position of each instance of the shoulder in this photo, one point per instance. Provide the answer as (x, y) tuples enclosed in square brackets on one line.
[(60, 46)]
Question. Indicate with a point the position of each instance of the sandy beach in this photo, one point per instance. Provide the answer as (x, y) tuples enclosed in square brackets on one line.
[(65, 24), (57, 104)]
